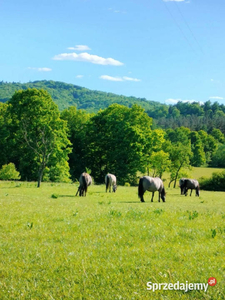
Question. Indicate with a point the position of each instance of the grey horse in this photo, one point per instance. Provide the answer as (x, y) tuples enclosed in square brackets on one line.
[(189, 184), (110, 181), (85, 180), (151, 184)]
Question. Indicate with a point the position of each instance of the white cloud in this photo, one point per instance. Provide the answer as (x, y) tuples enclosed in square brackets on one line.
[(40, 69), (79, 76), (124, 78), (94, 59), (216, 97), (130, 78), (80, 48), (107, 77)]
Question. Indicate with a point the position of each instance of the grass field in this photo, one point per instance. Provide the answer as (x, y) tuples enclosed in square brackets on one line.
[(108, 246)]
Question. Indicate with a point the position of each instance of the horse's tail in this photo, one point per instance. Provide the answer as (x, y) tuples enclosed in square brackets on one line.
[(84, 182), (140, 188), (107, 182)]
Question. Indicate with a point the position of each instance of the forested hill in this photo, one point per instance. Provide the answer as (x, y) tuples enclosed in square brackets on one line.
[(65, 95), (194, 116)]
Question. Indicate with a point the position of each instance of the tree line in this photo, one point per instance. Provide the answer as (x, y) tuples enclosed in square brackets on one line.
[(46, 144)]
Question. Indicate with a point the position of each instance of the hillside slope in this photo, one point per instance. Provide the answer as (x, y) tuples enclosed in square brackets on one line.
[(66, 95)]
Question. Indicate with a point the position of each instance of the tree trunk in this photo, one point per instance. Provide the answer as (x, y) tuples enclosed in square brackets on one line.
[(40, 175)]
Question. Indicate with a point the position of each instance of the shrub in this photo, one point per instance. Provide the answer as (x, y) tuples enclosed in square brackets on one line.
[(215, 183), (9, 172)]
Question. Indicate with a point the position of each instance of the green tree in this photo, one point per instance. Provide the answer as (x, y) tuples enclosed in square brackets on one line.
[(180, 156), (116, 142), (218, 135), (159, 163), (154, 143), (4, 135), (9, 172), (77, 123), (198, 159), (36, 125), (209, 144), (218, 158)]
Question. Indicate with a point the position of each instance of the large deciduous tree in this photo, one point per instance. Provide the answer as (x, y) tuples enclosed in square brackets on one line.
[(37, 129), (116, 142)]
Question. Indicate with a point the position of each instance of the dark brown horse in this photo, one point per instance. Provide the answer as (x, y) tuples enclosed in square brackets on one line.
[(189, 184)]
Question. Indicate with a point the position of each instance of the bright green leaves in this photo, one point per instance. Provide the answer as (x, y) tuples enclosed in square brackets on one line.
[(36, 128)]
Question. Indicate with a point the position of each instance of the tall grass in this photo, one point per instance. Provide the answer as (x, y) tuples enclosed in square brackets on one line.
[(107, 246)]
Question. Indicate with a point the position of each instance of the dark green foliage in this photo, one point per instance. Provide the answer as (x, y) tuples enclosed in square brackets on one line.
[(77, 123), (195, 116), (218, 158), (116, 140), (215, 183)]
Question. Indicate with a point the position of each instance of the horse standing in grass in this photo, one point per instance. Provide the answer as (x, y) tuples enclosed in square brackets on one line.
[(151, 184), (110, 181), (189, 184), (85, 180)]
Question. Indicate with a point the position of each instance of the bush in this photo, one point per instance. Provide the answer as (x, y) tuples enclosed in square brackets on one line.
[(9, 172), (215, 183)]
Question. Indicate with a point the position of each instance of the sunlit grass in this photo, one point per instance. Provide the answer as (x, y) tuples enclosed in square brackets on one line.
[(107, 246)]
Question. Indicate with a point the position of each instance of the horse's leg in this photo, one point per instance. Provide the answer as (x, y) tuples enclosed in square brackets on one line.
[(152, 196), (77, 191), (159, 196), (191, 192)]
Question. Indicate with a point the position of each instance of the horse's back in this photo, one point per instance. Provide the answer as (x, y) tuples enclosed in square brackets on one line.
[(152, 184), (111, 178), (192, 183), (85, 176)]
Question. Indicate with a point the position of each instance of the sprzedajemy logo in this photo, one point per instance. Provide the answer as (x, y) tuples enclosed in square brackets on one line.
[(181, 286)]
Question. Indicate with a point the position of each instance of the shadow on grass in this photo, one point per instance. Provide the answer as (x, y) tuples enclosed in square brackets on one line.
[(66, 196), (130, 202)]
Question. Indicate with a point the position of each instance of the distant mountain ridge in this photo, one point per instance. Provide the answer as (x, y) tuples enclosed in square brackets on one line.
[(65, 95)]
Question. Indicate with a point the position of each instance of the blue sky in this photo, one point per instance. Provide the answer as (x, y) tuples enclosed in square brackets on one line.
[(155, 49)]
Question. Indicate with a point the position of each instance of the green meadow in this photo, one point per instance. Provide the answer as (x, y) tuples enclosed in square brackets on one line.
[(54, 245)]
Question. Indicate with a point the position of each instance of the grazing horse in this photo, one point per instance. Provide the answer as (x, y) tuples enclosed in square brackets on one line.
[(151, 184), (186, 184), (110, 181), (85, 180)]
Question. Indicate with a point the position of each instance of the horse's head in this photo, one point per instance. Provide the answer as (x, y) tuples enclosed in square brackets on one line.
[(114, 188), (183, 188)]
